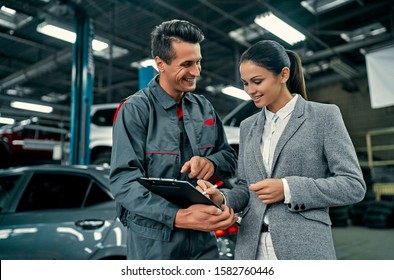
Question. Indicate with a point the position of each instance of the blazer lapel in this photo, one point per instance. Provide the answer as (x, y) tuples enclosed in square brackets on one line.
[(296, 119), (255, 137)]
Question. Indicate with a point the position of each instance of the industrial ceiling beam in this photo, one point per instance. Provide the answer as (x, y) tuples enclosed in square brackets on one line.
[(44, 66), (201, 23), (347, 47)]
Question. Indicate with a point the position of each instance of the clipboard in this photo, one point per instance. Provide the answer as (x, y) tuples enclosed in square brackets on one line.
[(181, 193)]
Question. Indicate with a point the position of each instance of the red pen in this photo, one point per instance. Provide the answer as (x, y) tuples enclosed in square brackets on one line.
[(217, 184)]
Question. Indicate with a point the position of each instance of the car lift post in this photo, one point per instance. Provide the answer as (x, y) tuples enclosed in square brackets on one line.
[(81, 90), (145, 74)]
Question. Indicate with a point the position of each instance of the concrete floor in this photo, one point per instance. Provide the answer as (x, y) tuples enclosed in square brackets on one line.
[(363, 243)]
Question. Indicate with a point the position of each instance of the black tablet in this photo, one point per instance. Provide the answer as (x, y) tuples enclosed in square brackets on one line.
[(181, 193)]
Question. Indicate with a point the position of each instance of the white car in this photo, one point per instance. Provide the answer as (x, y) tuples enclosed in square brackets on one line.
[(101, 132), (102, 119)]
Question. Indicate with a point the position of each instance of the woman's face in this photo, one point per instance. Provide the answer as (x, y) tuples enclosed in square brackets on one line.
[(263, 86)]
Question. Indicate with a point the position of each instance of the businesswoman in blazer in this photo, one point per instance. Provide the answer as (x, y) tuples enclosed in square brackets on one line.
[(296, 160)]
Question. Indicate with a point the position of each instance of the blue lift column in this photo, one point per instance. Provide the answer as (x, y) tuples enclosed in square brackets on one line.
[(81, 90), (145, 74)]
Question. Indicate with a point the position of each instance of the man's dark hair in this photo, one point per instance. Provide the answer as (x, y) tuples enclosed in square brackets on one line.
[(163, 34)]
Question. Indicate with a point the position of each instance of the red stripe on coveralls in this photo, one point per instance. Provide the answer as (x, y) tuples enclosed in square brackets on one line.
[(206, 147), (162, 153)]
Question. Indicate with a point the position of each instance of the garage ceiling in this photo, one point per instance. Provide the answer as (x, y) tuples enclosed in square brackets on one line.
[(37, 68)]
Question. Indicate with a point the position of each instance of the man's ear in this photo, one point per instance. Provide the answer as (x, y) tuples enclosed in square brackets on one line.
[(159, 64), (284, 74)]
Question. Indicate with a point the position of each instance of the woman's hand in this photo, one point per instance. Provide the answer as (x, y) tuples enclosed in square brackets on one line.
[(210, 191), (269, 190)]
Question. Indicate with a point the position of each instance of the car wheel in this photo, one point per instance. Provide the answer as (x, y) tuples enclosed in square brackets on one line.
[(102, 158)]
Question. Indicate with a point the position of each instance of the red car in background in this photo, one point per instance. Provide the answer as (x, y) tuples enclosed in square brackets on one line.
[(32, 142)]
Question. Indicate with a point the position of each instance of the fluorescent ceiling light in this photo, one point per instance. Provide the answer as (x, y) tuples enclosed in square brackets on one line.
[(8, 10), (343, 69), (54, 97), (236, 92), (320, 6), (106, 53), (13, 19), (31, 107), (247, 33), (210, 89), (6, 120), (144, 63), (19, 91), (67, 35), (57, 32), (315, 68), (100, 47), (148, 62), (11, 91), (29, 121), (363, 32), (279, 28)]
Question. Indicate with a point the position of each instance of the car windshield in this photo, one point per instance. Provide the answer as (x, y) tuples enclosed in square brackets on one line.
[(243, 111), (7, 184), (104, 117)]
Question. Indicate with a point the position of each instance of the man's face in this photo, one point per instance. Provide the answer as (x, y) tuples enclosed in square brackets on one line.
[(181, 74)]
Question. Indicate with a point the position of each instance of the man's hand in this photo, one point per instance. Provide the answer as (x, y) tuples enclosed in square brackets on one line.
[(205, 218), (269, 190), (200, 168)]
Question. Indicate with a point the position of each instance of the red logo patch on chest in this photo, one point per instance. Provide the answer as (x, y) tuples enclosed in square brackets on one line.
[(209, 122)]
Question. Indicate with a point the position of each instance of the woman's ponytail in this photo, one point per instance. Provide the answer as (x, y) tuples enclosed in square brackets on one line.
[(296, 82)]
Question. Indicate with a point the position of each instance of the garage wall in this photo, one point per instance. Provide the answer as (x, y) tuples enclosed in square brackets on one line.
[(357, 113)]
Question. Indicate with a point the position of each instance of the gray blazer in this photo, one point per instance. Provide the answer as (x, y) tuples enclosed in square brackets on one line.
[(316, 156)]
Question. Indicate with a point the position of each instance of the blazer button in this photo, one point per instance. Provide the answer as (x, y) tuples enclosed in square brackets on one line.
[(296, 207), (289, 205), (302, 207)]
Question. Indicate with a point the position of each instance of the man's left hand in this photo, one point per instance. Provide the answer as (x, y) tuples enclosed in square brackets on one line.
[(199, 167)]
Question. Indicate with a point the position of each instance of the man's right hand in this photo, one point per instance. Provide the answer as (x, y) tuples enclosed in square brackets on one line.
[(205, 218)]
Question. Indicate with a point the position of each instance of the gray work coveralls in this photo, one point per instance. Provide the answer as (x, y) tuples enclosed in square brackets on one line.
[(146, 143)]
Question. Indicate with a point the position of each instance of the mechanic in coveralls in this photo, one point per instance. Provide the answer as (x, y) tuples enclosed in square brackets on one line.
[(165, 131)]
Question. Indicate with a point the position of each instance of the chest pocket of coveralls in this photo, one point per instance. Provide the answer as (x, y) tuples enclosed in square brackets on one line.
[(206, 135)]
